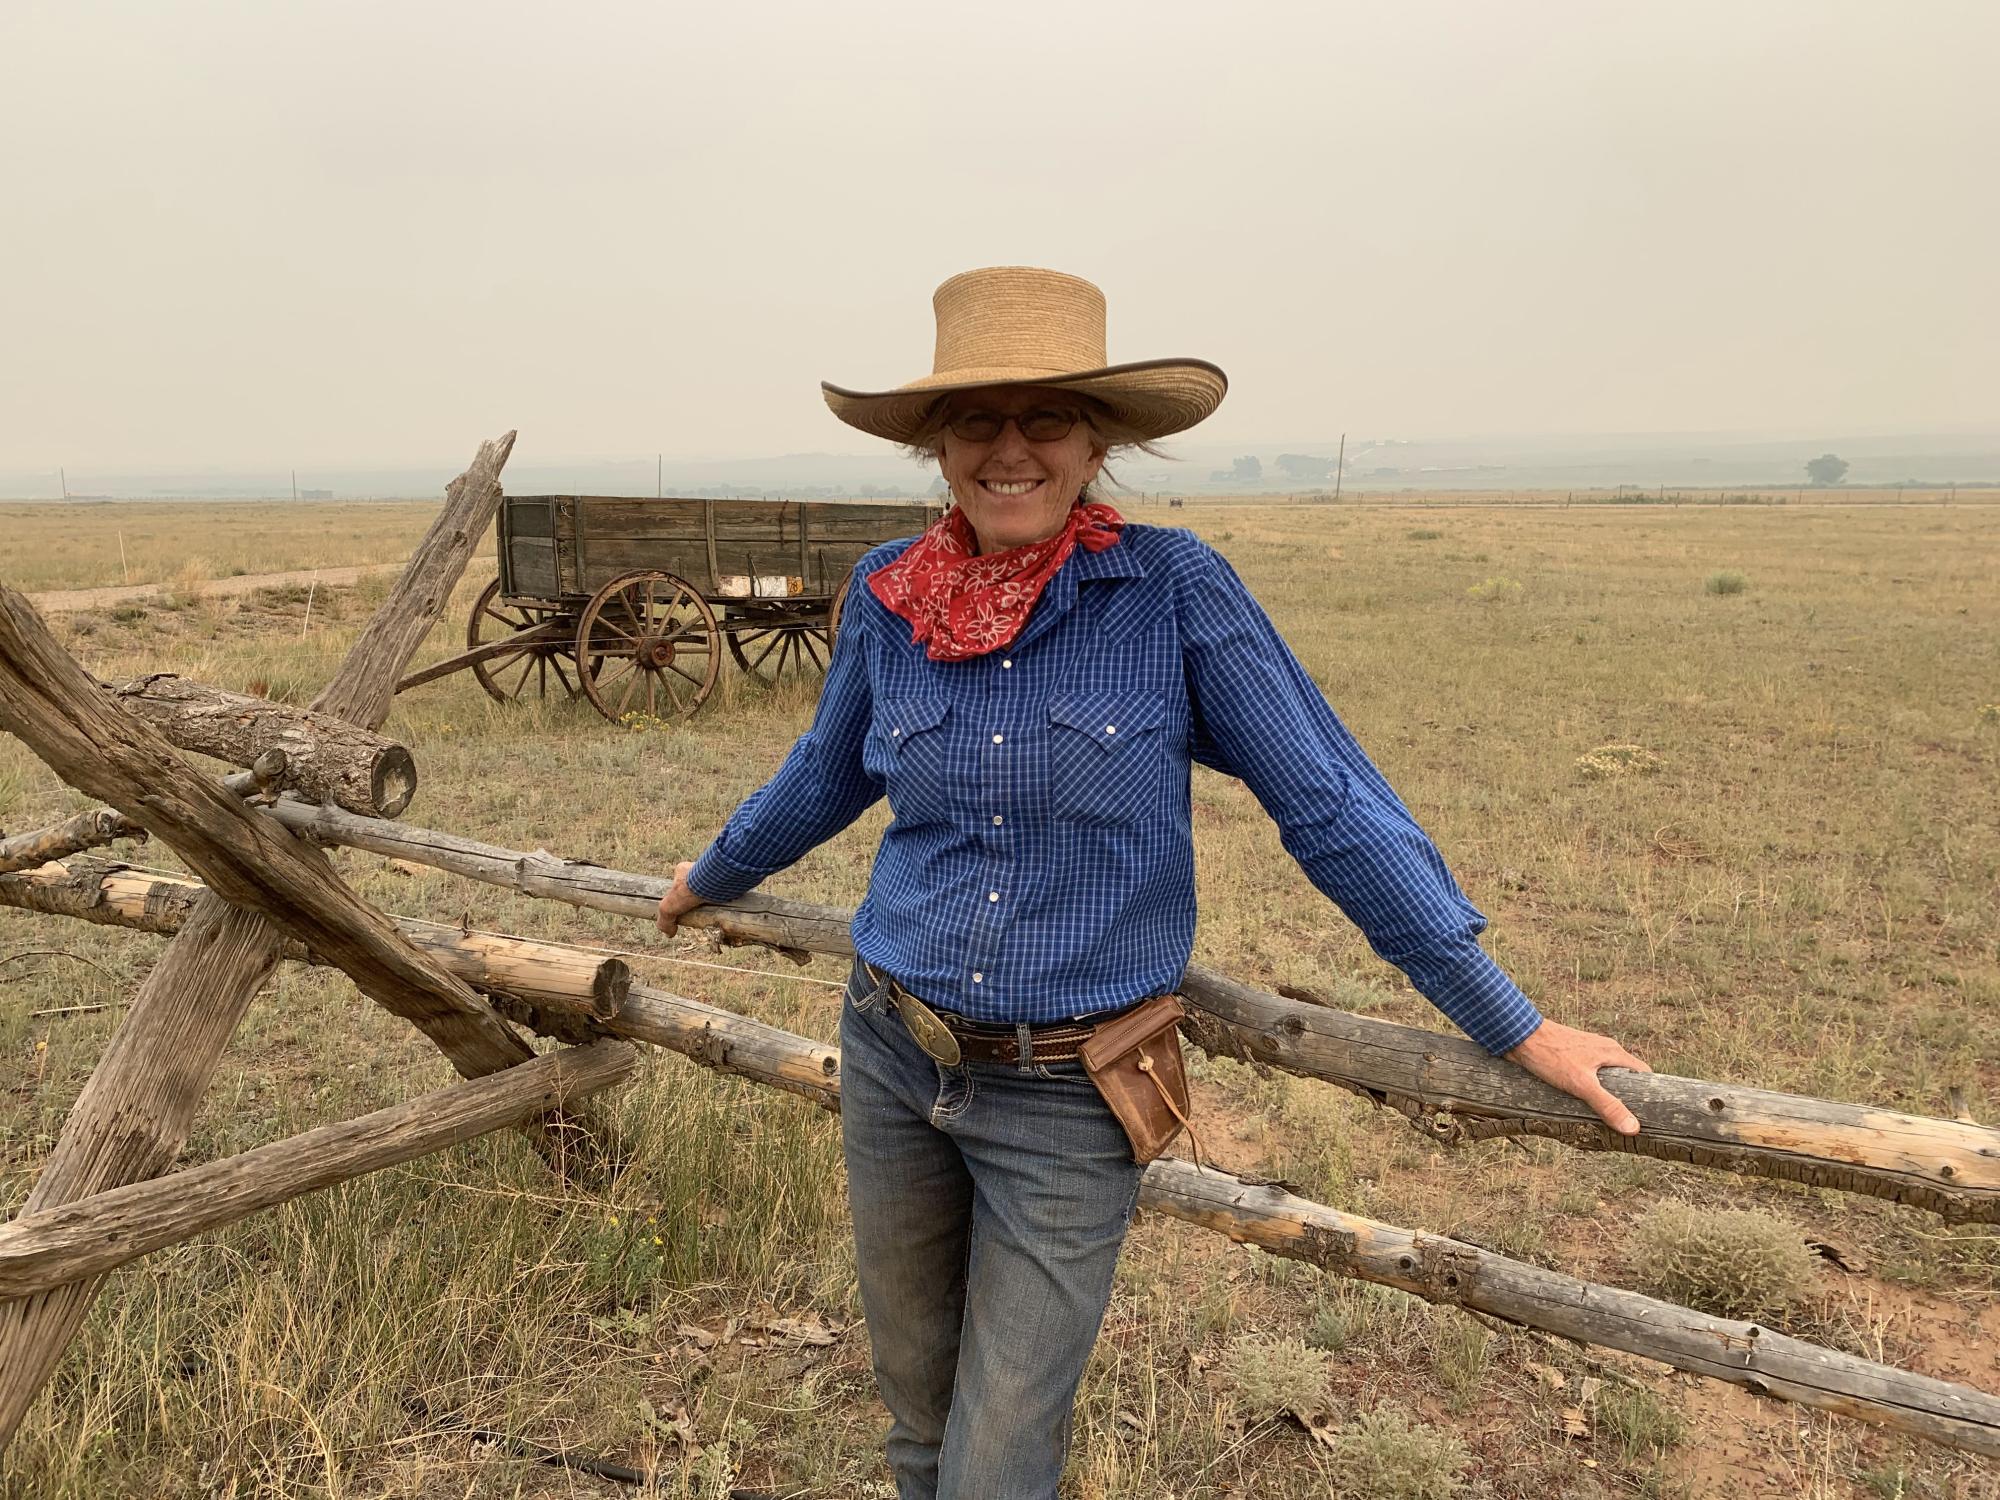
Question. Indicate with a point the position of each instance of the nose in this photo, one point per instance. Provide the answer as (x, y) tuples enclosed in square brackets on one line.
[(1010, 443)]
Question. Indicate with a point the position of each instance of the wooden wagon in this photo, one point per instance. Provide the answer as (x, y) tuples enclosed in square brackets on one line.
[(632, 602)]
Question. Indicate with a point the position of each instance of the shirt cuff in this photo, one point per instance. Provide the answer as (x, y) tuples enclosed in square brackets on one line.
[(1484, 1003), (717, 878)]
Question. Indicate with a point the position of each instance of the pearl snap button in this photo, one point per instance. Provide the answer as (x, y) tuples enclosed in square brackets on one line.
[(1110, 728), (894, 732), (977, 977), (992, 895), (998, 738), (998, 820), (1008, 663)]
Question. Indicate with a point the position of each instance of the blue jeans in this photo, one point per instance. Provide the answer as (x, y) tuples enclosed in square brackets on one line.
[(990, 1201)]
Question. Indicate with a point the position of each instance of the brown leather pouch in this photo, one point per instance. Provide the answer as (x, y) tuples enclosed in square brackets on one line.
[(1135, 1061)]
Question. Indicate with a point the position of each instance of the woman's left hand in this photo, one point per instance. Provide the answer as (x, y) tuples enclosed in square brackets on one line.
[(1568, 1059), (680, 899)]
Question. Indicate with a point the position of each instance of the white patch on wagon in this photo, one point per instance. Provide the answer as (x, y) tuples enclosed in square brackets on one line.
[(763, 586)]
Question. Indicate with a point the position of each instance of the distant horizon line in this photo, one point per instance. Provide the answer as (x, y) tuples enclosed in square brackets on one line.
[(893, 457), (886, 454), (1381, 489)]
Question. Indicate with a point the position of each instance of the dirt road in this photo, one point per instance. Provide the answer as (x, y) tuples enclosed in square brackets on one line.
[(67, 601)]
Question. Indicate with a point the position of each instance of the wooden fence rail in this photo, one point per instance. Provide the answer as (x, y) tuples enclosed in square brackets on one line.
[(90, 1236), (1440, 1269), (550, 974), (97, 1234), (1448, 1084), (88, 829), (523, 975)]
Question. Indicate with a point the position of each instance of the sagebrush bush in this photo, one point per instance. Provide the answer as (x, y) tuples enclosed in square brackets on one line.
[(1332, 1326), (1726, 583), (1267, 1377), (1737, 1263), (1364, 1314), (1387, 1455)]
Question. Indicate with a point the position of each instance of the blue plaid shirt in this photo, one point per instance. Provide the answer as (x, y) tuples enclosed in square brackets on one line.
[(1040, 863)]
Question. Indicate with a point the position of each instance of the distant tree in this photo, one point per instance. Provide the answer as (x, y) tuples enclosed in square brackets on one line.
[(1304, 467), (1247, 468), (1826, 469)]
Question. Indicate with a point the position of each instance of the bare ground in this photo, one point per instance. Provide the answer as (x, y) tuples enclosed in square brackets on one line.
[(69, 601)]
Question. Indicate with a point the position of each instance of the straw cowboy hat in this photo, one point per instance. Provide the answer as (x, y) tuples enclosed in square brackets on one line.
[(1016, 325)]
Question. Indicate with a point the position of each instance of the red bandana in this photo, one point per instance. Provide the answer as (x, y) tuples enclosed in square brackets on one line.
[(964, 604)]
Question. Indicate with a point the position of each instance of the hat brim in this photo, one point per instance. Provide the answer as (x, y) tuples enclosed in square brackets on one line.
[(1155, 398)]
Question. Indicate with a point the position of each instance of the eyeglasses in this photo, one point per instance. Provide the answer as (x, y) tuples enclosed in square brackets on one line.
[(1045, 424)]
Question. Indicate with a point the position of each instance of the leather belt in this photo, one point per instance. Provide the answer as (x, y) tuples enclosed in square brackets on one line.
[(952, 1039)]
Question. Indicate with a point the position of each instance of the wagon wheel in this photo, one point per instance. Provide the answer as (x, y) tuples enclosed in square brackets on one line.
[(834, 609), (647, 641), (514, 677), (768, 651)]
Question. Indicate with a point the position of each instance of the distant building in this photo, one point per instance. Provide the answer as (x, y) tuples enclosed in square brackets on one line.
[(315, 494)]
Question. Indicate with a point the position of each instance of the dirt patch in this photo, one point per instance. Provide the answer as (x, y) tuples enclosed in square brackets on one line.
[(68, 601)]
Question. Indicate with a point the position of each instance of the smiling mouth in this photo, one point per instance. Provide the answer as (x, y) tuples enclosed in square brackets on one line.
[(1009, 486)]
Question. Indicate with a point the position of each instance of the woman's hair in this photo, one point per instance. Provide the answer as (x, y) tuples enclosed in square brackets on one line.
[(1114, 436)]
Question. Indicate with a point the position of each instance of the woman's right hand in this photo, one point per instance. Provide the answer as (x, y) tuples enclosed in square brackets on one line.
[(678, 901)]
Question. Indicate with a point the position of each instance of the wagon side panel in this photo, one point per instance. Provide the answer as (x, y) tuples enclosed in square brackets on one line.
[(569, 546), (725, 548), (837, 534), (616, 535), (528, 555)]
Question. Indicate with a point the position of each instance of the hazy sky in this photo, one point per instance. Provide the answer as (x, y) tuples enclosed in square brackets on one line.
[(340, 232)]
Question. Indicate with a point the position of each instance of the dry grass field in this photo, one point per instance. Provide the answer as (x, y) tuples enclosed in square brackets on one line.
[(1794, 886), (94, 544)]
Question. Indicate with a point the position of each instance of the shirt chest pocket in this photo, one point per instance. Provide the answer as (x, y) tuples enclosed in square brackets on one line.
[(908, 750), (1108, 756)]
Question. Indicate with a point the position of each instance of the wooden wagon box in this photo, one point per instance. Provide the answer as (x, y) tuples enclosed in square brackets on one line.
[(632, 603), (570, 546)]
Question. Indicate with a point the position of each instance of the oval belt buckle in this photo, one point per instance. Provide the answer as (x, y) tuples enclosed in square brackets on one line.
[(930, 1033)]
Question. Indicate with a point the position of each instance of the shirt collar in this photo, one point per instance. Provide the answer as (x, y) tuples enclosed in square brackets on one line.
[(1082, 565), (1120, 560)]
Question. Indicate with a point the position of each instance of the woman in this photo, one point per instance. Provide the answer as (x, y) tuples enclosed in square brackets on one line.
[(1028, 682)]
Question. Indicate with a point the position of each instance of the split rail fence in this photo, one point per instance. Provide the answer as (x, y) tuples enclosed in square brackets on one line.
[(325, 777)]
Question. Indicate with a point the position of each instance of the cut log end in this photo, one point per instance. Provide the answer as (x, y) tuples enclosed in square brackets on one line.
[(608, 989), (393, 780), (325, 757)]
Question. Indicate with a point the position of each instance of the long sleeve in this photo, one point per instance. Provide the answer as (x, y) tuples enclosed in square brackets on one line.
[(818, 791), (1257, 715)]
